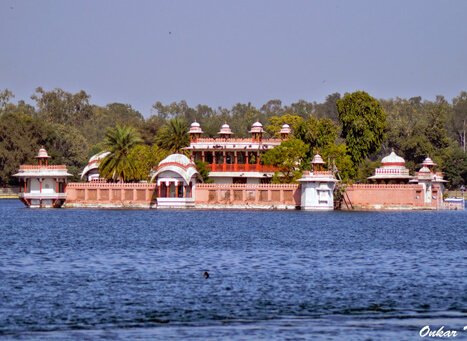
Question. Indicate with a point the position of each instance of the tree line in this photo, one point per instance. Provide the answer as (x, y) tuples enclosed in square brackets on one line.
[(353, 131)]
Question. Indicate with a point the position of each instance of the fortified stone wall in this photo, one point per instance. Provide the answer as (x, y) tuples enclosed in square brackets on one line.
[(102, 194), (247, 196), (371, 197)]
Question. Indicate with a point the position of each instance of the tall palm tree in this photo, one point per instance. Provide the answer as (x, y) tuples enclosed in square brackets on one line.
[(117, 165), (173, 136)]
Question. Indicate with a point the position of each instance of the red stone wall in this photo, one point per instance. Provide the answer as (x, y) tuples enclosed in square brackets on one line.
[(248, 194), (366, 196), (102, 194)]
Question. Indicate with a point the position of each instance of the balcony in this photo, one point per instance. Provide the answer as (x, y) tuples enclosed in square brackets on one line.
[(224, 167)]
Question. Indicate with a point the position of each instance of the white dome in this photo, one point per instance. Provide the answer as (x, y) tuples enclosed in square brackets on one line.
[(285, 129), (179, 164), (424, 170), (428, 162), (225, 129), (257, 127), (93, 163), (177, 158), (393, 158), (317, 159), (42, 154), (195, 128), (98, 156)]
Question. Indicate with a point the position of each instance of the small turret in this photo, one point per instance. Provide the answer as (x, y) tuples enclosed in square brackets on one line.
[(285, 132), (42, 157), (257, 132), (317, 163), (195, 131), (428, 163), (225, 131)]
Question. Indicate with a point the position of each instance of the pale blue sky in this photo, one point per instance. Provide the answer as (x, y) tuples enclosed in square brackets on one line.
[(223, 52)]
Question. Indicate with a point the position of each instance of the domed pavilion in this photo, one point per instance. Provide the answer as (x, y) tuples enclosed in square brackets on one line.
[(42, 185), (91, 171), (176, 177), (392, 171)]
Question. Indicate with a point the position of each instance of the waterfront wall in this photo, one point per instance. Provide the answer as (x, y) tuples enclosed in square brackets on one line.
[(102, 194), (260, 196), (378, 196), (9, 193), (247, 196)]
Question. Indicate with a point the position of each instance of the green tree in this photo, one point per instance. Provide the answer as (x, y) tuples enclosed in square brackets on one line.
[(415, 149), (363, 124), (405, 119), (19, 142), (150, 129), (365, 170), (318, 134), (276, 123), (203, 171), (272, 108), (62, 107), (242, 117), (301, 108), (455, 168), (328, 109), (66, 145), (117, 166), (144, 158), (173, 136), (5, 96), (288, 157), (336, 155), (458, 120), (124, 115), (102, 118), (437, 116), (180, 110)]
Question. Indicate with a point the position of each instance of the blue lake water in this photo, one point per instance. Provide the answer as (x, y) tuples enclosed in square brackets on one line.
[(138, 274)]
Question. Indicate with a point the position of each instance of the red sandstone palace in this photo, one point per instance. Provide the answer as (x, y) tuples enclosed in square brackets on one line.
[(235, 160), (240, 181)]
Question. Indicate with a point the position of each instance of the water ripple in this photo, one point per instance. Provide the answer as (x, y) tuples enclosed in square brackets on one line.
[(91, 274)]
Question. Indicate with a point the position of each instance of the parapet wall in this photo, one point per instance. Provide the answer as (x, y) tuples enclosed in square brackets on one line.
[(247, 195), (102, 194), (377, 197)]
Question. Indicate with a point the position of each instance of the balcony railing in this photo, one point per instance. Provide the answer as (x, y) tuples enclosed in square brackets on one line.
[(242, 168), (392, 171), (42, 195), (39, 167), (236, 140)]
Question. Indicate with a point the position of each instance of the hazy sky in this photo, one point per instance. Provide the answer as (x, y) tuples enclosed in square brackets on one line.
[(223, 52)]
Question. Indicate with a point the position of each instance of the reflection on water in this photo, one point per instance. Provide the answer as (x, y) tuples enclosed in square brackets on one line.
[(130, 274)]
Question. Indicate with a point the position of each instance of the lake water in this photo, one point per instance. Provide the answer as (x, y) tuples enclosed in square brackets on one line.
[(138, 274)]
